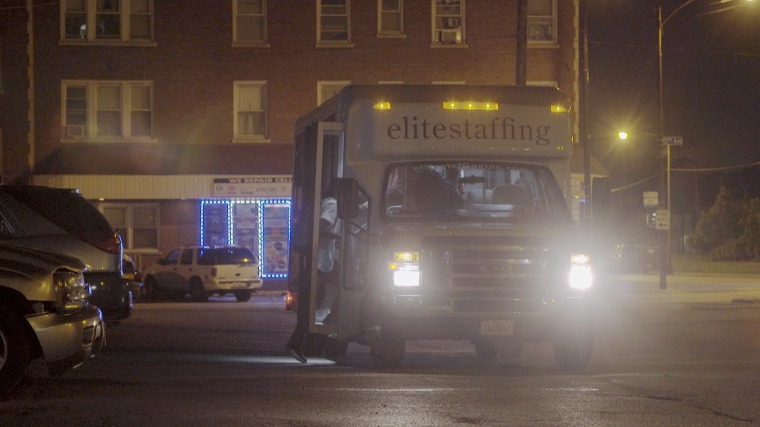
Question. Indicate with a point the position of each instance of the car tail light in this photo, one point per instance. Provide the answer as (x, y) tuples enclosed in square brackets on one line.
[(110, 243)]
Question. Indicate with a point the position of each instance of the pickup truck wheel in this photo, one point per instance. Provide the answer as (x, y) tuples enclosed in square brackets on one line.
[(388, 351), (14, 350), (242, 296), (197, 291)]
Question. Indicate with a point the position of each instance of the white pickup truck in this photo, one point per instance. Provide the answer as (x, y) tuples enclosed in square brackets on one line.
[(203, 271)]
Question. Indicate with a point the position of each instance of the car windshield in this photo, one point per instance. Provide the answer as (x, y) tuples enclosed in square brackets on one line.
[(225, 256), (490, 191)]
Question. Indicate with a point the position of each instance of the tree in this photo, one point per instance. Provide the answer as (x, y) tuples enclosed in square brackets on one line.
[(750, 224), (719, 225)]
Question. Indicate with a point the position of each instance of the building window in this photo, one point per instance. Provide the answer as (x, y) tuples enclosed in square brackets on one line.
[(390, 18), (328, 89), (137, 223), (249, 26), (448, 22), (333, 23), (107, 21), (542, 21), (250, 100), (107, 110)]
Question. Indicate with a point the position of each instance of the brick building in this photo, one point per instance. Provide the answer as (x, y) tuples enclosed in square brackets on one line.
[(172, 115)]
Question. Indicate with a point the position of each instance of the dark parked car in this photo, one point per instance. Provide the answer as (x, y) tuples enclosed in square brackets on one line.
[(44, 313), (62, 220)]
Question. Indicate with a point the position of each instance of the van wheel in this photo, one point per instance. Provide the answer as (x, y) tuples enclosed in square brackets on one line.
[(484, 350), (313, 345), (151, 288), (197, 291), (335, 350), (14, 350), (388, 350), (574, 344), (242, 296)]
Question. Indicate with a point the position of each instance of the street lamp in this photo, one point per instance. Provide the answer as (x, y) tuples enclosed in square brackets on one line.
[(665, 240)]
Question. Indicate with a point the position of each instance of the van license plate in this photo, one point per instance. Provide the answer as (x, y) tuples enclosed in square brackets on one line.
[(497, 327)]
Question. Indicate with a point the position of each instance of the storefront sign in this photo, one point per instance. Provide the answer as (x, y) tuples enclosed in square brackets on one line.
[(254, 186)]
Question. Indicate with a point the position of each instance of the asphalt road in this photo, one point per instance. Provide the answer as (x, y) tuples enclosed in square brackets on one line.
[(688, 355)]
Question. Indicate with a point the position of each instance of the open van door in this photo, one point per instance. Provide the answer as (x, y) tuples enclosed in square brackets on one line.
[(318, 164)]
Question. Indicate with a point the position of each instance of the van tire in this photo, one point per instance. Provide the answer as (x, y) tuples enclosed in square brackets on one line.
[(388, 351), (14, 349), (573, 344), (335, 350), (314, 345), (484, 350)]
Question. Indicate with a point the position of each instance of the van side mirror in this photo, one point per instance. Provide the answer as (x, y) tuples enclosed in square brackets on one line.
[(347, 196)]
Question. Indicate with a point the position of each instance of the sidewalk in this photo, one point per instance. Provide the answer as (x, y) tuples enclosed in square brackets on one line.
[(683, 288)]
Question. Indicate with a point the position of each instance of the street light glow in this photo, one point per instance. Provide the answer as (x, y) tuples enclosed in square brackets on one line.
[(622, 135)]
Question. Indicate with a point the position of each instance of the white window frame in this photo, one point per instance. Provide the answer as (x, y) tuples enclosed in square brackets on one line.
[(264, 108), (333, 43), (456, 22), (90, 36), (382, 12), (127, 229), (329, 87), (236, 42), (89, 131), (537, 25)]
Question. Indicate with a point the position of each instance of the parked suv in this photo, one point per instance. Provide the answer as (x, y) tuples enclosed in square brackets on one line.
[(204, 271), (62, 220), (44, 313)]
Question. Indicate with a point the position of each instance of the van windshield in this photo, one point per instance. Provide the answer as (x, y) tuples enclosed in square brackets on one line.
[(466, 190)]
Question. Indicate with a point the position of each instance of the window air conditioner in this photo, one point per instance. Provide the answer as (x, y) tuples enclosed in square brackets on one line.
[(74, 131), (450, 36)]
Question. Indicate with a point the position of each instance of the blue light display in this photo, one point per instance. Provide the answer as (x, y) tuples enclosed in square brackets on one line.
[(263, 225)]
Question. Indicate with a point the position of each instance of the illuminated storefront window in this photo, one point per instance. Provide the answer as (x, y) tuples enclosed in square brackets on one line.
[(262, 225)]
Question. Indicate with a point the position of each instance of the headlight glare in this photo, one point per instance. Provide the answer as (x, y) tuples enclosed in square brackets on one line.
[(580, 276), (405, 268)]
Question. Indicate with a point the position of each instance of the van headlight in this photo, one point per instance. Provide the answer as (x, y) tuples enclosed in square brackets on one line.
[(405, 269), (71, 291), (580, 276)]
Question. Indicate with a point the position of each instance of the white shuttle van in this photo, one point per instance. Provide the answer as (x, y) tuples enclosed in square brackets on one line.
[(454, 221)]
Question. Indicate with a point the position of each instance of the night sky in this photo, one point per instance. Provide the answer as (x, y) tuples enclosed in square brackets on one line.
[(711, 86)]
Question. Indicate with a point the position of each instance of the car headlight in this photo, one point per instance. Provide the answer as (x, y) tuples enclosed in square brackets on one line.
[(71, 290), (405, 268), (580, 276)]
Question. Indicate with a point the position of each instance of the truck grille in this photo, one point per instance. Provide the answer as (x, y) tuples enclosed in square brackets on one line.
[(485, 274)]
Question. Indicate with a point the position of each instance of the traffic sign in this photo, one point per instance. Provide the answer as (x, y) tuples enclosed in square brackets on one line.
[(662, 220), (651, 199), (671, 140)]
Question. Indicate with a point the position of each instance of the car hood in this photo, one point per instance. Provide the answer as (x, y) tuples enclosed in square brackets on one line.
[(34, 263)]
